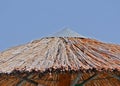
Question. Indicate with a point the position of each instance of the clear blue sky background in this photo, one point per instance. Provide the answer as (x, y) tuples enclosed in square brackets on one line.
[(24, 20)]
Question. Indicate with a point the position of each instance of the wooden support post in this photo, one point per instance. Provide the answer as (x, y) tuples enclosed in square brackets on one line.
[(76, 80), (26, 79), (64, 79), (87, 80)]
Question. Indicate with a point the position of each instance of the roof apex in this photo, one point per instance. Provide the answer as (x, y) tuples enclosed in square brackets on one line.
[(66, 32)]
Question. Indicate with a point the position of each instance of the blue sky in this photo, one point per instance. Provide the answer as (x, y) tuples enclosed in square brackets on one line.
[(24, 20)]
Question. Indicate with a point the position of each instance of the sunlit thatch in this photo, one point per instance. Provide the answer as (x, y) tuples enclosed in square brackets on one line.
[(57, 57)]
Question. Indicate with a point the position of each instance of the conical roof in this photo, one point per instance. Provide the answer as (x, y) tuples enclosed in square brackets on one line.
[(66, 50), (49, 61)]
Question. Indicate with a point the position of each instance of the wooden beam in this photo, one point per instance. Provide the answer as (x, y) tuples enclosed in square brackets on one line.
[(26, 79), (87, 80), (76, 80), (115, 76)]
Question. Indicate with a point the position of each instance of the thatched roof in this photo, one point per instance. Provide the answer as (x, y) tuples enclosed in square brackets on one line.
[(65, 53), (57, 61)]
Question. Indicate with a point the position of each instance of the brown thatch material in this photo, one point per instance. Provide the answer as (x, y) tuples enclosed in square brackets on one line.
[(57, 61), (61, 53)]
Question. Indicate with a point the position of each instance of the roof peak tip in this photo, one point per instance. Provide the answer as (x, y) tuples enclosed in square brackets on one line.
[(67, 32), (66, 28)]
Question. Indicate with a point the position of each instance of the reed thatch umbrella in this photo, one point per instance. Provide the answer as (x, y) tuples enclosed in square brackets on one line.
[(63, 59)]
